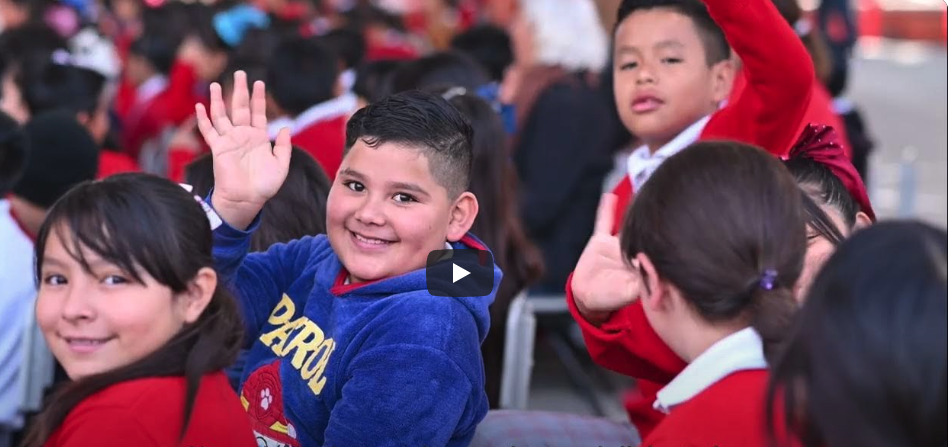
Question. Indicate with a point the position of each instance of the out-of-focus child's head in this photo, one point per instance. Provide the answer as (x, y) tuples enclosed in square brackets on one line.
[(452, 69), (869, 349), (301, 73), (297, 210), (62, 155), (672, 67), (57, 84), (151, 55), (488, 45), (402, 188), (374, 80)]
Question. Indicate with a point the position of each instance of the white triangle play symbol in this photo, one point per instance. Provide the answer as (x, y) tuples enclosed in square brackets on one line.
[(458, 273)]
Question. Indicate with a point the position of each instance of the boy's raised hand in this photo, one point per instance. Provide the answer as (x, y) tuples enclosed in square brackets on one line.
[(603, 282), (248, 171)]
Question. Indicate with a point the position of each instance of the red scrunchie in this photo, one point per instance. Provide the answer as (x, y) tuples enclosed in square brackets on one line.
[(821, 144)]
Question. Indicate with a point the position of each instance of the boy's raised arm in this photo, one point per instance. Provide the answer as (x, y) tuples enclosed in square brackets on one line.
[(248, 171), (779, 74)]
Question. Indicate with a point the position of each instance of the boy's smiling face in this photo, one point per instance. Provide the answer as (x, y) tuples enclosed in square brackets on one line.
[(386, 211), (663, 82)]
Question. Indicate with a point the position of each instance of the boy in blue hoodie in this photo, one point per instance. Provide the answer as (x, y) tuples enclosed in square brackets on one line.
[(348, 347)]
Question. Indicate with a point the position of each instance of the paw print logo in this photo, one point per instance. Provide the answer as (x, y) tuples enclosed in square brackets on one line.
[(265, 398)]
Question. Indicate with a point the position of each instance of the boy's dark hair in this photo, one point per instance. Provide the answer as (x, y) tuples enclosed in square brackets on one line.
[(254, 70), (348, 44), (13, 152), (306, 188), (489, 45), (301, 74), (29, 41), (374, 79), (716, 48), (159, 50), (868, 348), (823, 188), (51, 86), (421, 121), (143, 224), (715, 220), (449, 68)]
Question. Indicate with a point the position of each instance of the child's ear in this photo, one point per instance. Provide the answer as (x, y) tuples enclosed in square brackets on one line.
[(191, 303), (722, 79), (652, 291), (862, 221), (463, 213)]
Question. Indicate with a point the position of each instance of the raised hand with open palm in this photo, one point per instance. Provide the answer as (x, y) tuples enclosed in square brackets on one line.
[(603, 282), (248, 170)]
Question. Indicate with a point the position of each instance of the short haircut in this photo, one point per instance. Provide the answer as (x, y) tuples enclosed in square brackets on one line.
[(716, 48), (13, 152), (159, 50), (421, 121), (57, 86), (301, 74), (448, 68)]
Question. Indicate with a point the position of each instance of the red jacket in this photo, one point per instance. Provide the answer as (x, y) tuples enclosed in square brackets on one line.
[(768, 113), (171, 107), (150, 412), (325, 141), (729, 413)]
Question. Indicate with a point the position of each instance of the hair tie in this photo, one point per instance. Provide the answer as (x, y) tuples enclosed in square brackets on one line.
[(212, 217), (768, 279)]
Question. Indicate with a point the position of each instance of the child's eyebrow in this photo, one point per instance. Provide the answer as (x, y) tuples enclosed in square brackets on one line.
[(409, 187), (669, 43), (352, 173)]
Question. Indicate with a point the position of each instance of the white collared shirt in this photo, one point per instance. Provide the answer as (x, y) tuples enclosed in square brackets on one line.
[(642, 163), (342, 105), (740, 351)]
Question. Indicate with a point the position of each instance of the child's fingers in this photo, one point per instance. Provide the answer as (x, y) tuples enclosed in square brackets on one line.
[(282, 148), (218, 114), (240, 100), (204, 125), (258, 106), (605, 215)]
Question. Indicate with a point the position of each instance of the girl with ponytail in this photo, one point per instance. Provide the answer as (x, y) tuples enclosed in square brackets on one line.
[(716, 240), (130, 305)]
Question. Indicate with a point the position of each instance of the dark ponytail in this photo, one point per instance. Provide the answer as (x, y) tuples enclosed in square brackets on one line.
[(722, 221), (142, 223)]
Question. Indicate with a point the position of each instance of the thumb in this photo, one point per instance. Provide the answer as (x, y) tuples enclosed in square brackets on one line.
[(282, 149), (605, 215)]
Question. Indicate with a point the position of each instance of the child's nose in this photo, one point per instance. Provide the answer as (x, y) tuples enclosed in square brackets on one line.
[(645, 74), (371, 212), (76, 304)]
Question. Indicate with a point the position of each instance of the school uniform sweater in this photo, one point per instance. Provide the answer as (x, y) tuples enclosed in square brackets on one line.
[(150, 413), (717, 400), (767, 113), (382, 363)]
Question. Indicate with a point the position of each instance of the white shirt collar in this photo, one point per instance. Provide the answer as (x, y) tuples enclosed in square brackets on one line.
[(342, 105), (740, 351), (150, 88), (642, 163)]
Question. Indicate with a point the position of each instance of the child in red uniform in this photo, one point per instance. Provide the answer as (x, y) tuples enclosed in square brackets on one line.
[(715, 243), (131, 307), (305, 92), (673, 70)]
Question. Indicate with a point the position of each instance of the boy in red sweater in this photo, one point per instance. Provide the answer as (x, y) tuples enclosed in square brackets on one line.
[(306, 96), (672, 72)]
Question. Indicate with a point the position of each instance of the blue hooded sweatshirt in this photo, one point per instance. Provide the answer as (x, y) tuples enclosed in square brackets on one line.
[(382, 363)]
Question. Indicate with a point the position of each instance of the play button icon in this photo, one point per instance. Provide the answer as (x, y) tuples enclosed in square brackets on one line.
[(460, 273)]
